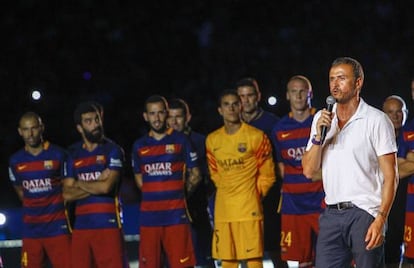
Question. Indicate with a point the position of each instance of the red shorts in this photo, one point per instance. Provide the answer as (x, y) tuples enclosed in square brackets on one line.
[(35, 251), (100, 248), (409, 235), (298, 237), (174, 239)]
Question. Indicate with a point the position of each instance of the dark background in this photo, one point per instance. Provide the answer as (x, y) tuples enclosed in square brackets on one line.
[(120, 52)]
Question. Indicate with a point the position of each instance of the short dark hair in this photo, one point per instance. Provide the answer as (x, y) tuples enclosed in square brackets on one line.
[(356, 66), (154, 99), (86, 107), (248, 82), (178, 103), (227, 92)]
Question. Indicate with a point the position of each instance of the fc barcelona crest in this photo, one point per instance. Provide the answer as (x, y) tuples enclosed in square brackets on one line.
[(242, 147), (48, 164), (100, 159), (169, 148)]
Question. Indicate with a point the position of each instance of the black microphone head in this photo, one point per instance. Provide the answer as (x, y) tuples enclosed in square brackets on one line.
[(330, 100)]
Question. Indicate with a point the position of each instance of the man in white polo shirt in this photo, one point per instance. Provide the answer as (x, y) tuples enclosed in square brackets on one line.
[(359, 172)]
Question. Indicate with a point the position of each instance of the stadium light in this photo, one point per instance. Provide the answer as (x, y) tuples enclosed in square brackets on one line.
[(272, 100), (3, 219)]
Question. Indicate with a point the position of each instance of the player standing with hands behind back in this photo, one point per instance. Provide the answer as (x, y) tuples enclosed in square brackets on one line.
[(241, 166), (359, 172)]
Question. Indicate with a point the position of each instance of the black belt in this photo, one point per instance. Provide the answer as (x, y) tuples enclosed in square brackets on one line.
[(341, 205)]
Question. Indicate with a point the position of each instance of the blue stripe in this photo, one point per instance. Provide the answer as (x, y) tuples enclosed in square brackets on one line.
[(162, 218), (410, 203), (164, 195), (300, 204), (49, 229), (47, 209), (96, 221)]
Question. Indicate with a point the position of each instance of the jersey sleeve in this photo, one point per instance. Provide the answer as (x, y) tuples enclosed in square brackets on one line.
[(191, 157), (402, 146), (116, 158), (211, 160), (13, 175), (384, 136), (277, 152), (266, 166), (135, 159), (68, 170)]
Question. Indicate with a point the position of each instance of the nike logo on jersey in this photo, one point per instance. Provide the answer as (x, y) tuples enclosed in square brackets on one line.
[(249, 249), (184, 259), (144, 151), (410, 136), (78, 163), (21, 167), (285, 135)]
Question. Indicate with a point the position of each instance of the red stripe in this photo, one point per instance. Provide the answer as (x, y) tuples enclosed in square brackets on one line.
[(211, 161), (44, 218), (302, 187), (410, 188), (293, 170), (95, 208), (89, 161), (162, 205), (293, 134), (36, 202), (263, 151), (156, 150), (162, 186), (38, 166)]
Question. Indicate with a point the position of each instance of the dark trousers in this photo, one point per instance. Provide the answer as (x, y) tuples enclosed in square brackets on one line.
[(342, 239)]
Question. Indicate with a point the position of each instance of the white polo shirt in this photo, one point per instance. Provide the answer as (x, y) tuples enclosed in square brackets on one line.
[(350, 167)]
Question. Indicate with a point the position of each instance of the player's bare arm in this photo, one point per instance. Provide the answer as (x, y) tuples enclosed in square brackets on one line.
[(138, 180), (193, 179), (405, 167), (19, 192), (71, 190), (388, 166)]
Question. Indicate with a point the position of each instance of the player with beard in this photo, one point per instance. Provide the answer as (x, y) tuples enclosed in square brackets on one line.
[(93, 175), (164, 163), (36, 172)]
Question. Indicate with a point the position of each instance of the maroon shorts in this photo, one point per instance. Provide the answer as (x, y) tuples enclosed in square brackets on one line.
[(298, 237), (35, 251), (409, 235), (100, 248), (174, 239)]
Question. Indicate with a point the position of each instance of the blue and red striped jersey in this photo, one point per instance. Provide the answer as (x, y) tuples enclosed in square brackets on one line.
[(405, 145), (265, 121), (162, 164), (96, 211), (299, 194), (40, 177)]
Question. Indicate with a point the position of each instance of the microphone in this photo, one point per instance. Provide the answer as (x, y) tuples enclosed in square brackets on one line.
[(330, 101)]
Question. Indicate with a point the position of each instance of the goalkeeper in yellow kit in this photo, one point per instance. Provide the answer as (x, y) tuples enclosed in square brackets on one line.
[(241, 166)]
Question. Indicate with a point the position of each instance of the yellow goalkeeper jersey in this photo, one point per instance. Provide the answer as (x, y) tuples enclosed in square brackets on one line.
[(242, 168)]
